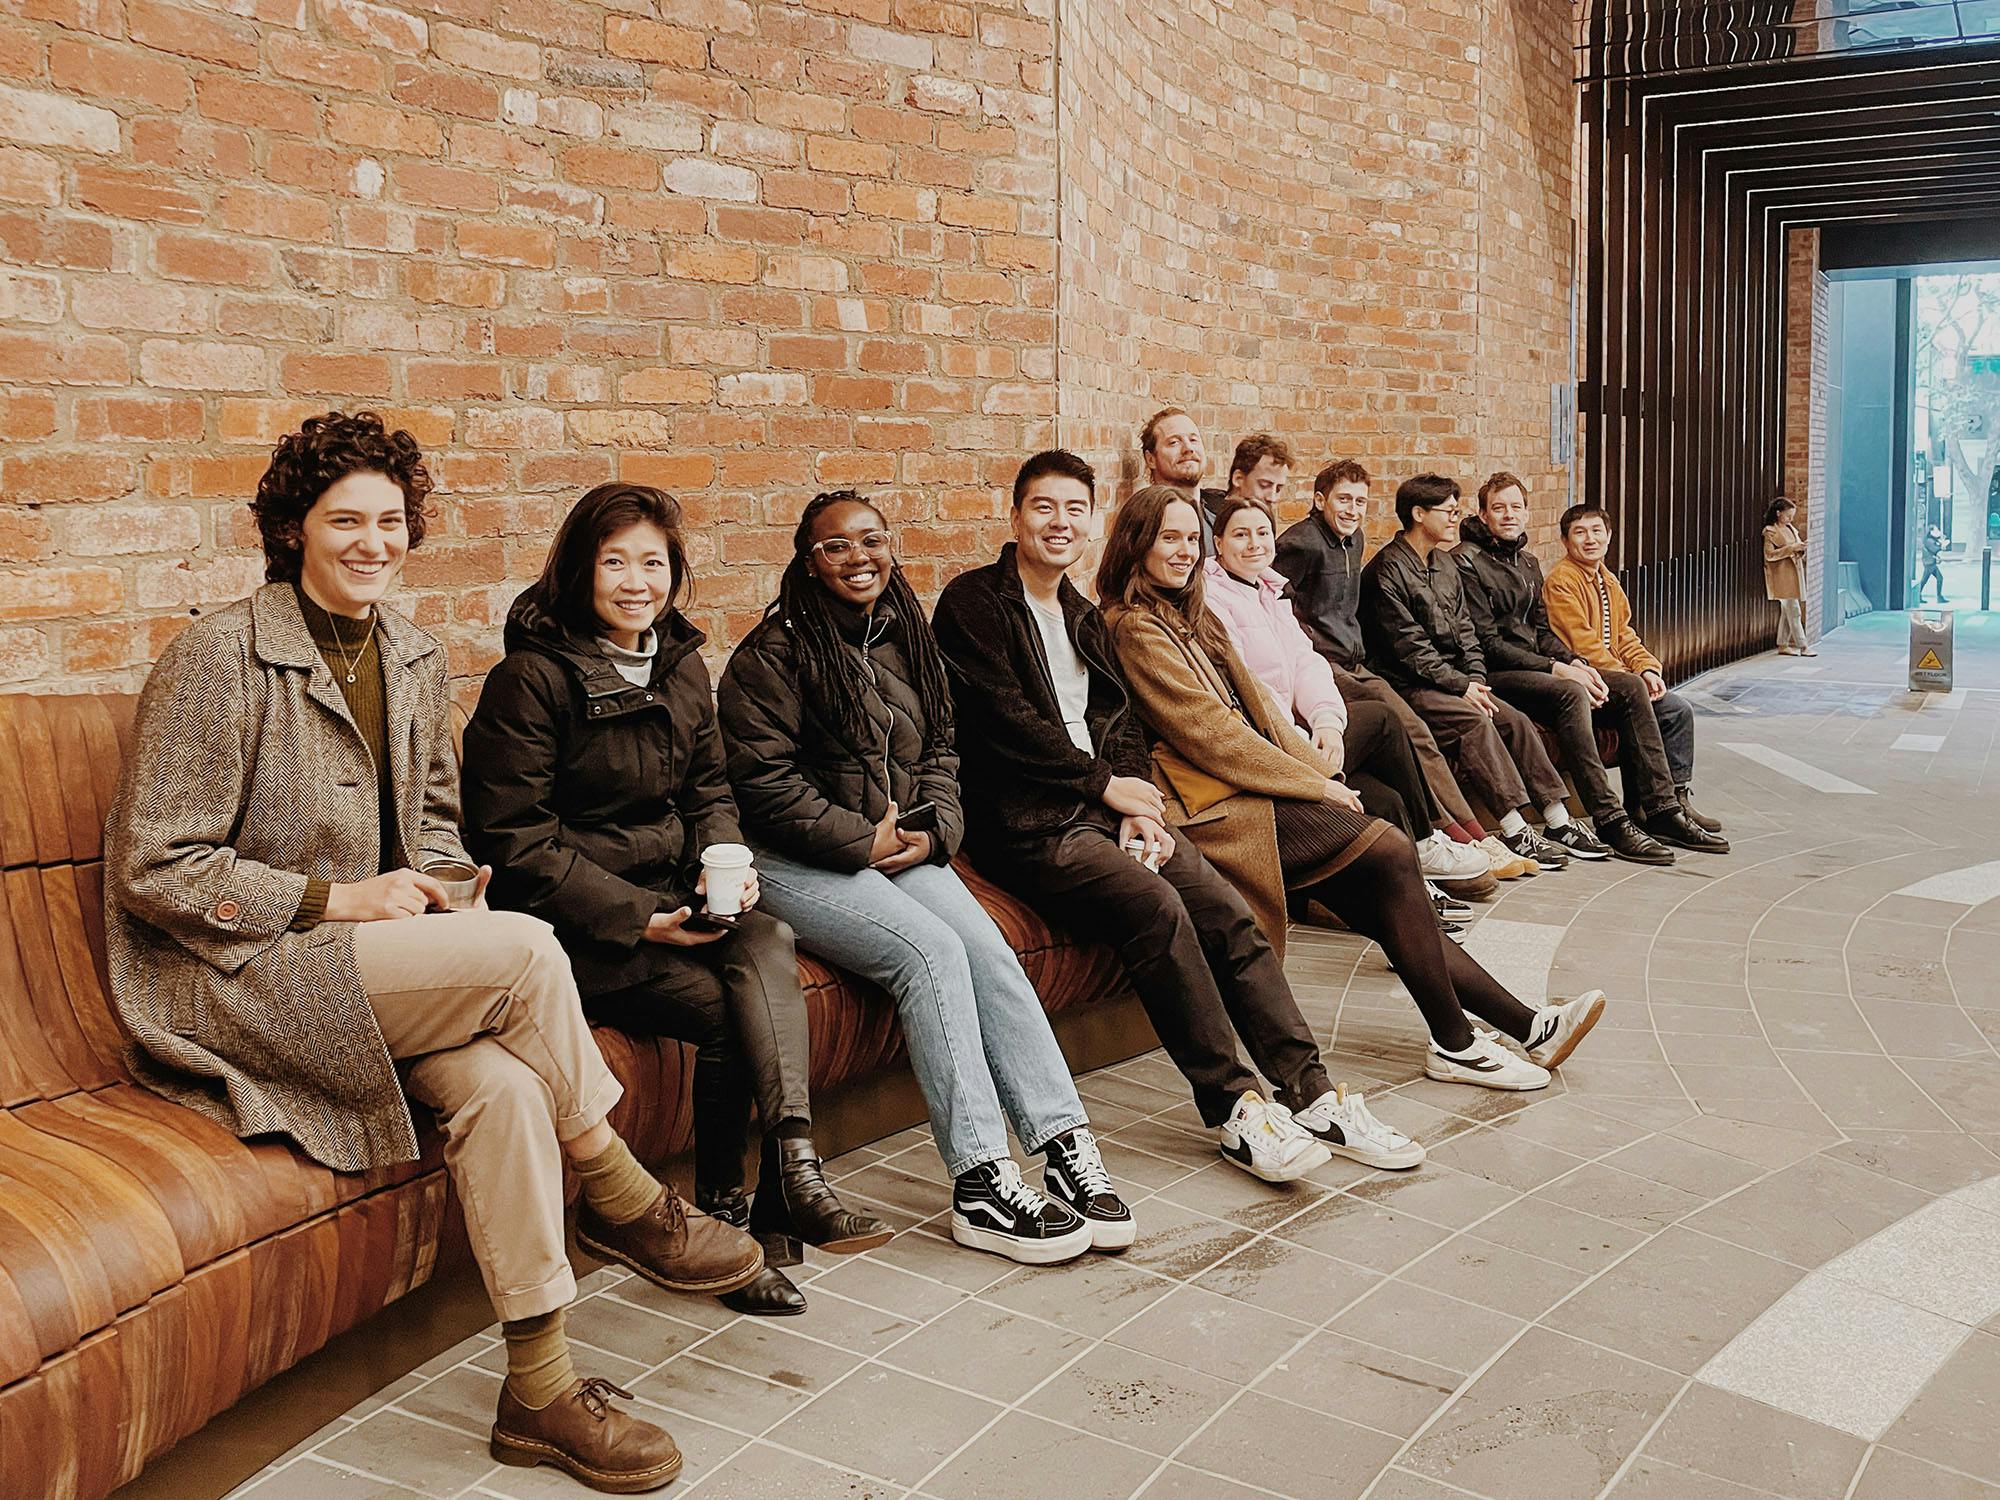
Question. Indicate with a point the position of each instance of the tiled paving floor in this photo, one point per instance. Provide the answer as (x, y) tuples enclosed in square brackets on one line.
[(1748, 1245)]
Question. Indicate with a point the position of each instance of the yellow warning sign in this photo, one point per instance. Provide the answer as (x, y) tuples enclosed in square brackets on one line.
[(1928, 662)]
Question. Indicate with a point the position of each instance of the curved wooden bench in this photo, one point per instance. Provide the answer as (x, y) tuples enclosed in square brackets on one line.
[(153, 1267)]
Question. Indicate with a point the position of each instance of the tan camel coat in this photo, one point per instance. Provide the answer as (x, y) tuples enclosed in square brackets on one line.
[(247, 775), (1220, 770)]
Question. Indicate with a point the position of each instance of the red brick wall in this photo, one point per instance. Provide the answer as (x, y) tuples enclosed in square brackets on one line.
[(744, 250), (1309, 220), (1807, 370)]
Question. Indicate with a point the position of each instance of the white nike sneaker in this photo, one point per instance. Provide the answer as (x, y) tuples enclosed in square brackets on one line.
[(1558, 1028), (1342, 1123), (1485, 1063), (1262, 1138)]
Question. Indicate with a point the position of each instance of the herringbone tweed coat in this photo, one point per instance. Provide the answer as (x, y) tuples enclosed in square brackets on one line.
[(247, 775)]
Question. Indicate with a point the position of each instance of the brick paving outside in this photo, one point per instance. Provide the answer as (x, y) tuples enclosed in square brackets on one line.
[(1797, 1059)]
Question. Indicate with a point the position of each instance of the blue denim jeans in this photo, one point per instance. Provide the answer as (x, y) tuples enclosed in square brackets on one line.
[(979, 1040), (1676, 719)]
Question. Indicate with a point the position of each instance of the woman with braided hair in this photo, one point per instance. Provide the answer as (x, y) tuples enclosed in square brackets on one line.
[(836, 716)]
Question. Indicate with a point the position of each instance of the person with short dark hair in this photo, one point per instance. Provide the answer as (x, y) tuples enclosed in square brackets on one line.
[(1065, 814), (283, 959), (1529, 666), (838, 718), (593, 784), (1420, 637), (1259, 800), (1589, 611), (1784, 576), (1320, 559)]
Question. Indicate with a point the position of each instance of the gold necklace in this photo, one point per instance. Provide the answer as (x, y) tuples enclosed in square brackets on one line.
[(350, 664)]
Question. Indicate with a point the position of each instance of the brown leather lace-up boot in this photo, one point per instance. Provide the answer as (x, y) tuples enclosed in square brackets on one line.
[(674, 1246), (589, 1439)]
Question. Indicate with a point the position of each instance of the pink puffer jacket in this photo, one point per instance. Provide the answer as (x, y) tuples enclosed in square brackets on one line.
[(1273, 646)]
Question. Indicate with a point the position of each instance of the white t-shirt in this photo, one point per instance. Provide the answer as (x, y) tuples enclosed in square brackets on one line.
[(1070, 676)]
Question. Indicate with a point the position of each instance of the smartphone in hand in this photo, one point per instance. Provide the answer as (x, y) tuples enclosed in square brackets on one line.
[(922, 818)]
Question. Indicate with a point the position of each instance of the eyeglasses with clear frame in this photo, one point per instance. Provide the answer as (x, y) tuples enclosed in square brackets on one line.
[(836, 549)]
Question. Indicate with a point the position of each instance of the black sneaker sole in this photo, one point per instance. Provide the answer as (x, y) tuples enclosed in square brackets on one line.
[(1575, 853)]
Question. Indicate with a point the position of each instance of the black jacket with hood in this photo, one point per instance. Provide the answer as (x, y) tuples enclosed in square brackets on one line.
[(1503, 592), (1021, 769), (592, 798), (805, 790)]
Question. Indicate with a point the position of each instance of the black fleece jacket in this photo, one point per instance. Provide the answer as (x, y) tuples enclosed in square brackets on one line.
[(592, 798), (808, 793), (1022, 773), (1503, 592)]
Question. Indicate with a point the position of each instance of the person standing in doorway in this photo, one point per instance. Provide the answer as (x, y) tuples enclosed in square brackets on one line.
[(1784, 576)]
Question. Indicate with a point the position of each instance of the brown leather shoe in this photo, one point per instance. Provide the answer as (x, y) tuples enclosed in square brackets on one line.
[(589, 1439), (675, 1246)]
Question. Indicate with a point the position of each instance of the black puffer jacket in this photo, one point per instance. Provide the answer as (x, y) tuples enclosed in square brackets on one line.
[(1414, 620), (591, 798), (805, 791), (1503, 591)]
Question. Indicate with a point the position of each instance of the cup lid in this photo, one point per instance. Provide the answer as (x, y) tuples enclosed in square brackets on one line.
[(726, 854)]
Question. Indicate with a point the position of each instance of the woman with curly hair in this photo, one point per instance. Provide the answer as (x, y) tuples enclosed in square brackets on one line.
[(837, 718), (593, 784), (1266, 808), (282, 942)]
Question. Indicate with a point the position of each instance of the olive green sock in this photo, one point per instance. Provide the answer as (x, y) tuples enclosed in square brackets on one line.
[(538, 1365), (616, 1187)]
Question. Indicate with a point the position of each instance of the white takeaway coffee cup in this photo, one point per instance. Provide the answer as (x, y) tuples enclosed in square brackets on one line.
[(728, 869)]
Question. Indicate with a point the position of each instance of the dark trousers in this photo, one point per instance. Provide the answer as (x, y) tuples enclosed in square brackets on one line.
[(737, 1002), (1500, 757), (1191, 948), (1563, 706), (1381, 765), (1359, 685)]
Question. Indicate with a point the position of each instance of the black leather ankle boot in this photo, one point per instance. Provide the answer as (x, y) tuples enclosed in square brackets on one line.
[(795, 1202), (772, 1294)]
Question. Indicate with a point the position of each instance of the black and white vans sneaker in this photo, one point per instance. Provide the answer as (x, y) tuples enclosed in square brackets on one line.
[(1578, 840), (1530, 845), (1076, 1179), (993, 1209)]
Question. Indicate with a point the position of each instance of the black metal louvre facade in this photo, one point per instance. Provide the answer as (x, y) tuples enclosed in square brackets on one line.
[(1707, 134)]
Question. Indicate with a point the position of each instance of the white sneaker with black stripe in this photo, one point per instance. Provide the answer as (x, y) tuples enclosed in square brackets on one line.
[(1341, 1122), (1559, 1027), (1262, 1138), (1485, 1063), (993, 1209), (1076, 1179)]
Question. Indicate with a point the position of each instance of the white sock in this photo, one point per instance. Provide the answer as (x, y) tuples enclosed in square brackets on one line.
[(1556, 815), (1512, 824)]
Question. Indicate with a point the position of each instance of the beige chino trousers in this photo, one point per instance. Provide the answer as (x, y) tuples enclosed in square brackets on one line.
[(482, 1011)]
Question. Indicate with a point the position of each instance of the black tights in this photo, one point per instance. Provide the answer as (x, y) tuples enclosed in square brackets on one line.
[(1381, 895)]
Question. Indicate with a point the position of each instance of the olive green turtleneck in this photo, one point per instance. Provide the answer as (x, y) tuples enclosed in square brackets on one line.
[(348, 644)]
